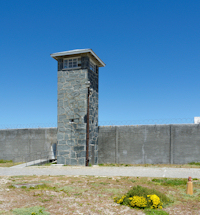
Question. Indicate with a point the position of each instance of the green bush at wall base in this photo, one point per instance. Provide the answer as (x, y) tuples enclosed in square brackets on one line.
[(6, 161), (195, 163)]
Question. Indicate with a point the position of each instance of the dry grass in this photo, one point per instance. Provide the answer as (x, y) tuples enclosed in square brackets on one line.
[(88, 195), (152, 165), (195, 165), (9, 164)]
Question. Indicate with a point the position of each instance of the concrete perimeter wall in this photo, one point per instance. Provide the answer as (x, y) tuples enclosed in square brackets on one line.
[(18, 144), (152, 144), (175, 144)]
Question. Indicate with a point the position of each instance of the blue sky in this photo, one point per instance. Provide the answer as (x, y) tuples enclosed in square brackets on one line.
[(151, 50)]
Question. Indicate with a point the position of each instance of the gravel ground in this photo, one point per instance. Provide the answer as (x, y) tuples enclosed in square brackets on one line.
[(103, 171)]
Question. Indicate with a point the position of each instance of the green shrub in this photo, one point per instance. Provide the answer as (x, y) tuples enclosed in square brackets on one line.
[(142, 197), (170, 182), (30, 211)]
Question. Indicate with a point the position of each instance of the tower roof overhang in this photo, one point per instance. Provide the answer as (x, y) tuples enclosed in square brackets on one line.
[(77, 52)]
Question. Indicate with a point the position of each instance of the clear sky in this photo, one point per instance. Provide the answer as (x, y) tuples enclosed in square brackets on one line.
[(151, 49)]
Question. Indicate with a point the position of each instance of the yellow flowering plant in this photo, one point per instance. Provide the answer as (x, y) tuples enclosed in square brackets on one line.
[(138, 201), (142, 197), (154, 201)]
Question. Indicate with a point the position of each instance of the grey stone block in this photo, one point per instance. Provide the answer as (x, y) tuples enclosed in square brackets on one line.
[(66, 105), (62, 142), (76, 120), (59, 74), (63, 148), (77, 87), (78, 148), (83, 110), (81, 154), (82, 104), (61, 80), (61, 111), (81, 161), (70, 142), (82, 142), (61, 130), (72, 154), (76, 110), (81, 126), (60, 86), (74, 162), (71, 116), (82, 136), (81, 131), (60, 160), (81, 76), (75, 94), (71, 78), (75, 82), (84, 91), (63, 153), (60, 124), (96, 160), (61, 117), (67, 161), (60, 136), (67, 137), (66, 87), (60, 102), (82, 97)]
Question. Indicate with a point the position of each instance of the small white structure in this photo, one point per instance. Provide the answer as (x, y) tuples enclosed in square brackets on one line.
[(197, 120)]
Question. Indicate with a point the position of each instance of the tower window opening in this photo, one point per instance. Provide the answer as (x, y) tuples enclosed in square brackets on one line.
[(71, 63), (92, 66)]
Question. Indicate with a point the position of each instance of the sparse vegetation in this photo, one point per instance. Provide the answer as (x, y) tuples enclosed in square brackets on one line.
[(6, 161), (170, 182), (195, 163), (155, 212), (30, 211), (90, 194), (189, 165)]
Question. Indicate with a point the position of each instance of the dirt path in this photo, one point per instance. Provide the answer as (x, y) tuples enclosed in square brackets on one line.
[(103, 171)]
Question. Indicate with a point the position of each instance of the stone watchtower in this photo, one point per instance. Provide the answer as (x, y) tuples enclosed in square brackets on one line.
[(77, 106)]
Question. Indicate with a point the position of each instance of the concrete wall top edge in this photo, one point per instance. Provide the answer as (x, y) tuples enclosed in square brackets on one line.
[(8, 129)]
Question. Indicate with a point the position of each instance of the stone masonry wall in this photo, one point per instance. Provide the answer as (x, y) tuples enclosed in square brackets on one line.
[(72, 110), (93, 119), (72, 114)]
